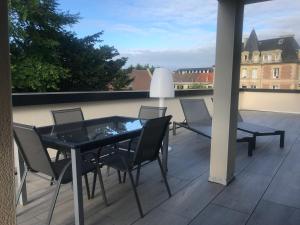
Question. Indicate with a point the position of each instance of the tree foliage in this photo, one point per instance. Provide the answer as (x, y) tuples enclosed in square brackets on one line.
[(141, 67), (47, 57)]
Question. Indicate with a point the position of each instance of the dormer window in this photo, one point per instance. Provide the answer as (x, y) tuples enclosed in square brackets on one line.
[(269, 58), (245, 57), (265, 58), (255, 58)]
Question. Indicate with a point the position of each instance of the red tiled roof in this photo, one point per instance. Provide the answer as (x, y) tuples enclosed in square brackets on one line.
[(193, 77), (142, 80)]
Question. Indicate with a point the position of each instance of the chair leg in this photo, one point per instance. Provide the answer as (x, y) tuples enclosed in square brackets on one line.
[(254, 142), (164, 176), (53, 203), (124, 177), (102, 186), (56, 159), (21, 186), (107, 171), (250, 147), (94, 184), (57, 156), (119, 176), (135, 193), (138, 171), (282, 139), (87, 186), (174, 128)]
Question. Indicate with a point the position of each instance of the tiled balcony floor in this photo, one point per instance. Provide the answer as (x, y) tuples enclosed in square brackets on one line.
[(266, 189)]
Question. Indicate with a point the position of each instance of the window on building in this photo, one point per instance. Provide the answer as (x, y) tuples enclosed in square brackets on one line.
[(280, 42), (254, 74), (265, 58), (275, 73), (269, 58), (253, 86), (244, 86), (277, 57), (244, 73), (245, 57), (255, 58), (275, 87)]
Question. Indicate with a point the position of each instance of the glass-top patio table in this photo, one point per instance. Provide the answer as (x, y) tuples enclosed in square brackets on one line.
[(86, 135)]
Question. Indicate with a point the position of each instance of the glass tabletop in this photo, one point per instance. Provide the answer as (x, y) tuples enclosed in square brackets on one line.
[(89, 133)]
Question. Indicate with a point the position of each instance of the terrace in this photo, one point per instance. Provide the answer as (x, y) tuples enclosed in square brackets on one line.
[(265, 184)]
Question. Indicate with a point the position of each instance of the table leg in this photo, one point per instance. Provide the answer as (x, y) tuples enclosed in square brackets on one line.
[(165, 151), (20, 168), (77, 186)]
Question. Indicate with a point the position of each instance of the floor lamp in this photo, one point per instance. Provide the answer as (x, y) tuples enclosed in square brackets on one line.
[(162, 87)]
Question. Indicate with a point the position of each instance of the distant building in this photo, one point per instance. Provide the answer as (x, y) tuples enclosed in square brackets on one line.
[(193, 78), (270, 64), (141, 80)]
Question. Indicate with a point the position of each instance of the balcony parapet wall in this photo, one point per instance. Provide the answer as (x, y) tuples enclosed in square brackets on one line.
[(283, 101), (26, 99)]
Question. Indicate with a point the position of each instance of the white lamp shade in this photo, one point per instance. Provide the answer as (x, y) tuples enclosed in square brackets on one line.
[(162, 85)]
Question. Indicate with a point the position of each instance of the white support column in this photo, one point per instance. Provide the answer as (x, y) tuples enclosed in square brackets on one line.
[(7, 188), (226, 91)]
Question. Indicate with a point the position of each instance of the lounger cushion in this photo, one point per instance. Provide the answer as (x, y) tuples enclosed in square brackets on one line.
[(254, 128)]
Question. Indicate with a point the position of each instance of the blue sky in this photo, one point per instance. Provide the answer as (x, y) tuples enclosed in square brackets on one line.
[(174, 33)]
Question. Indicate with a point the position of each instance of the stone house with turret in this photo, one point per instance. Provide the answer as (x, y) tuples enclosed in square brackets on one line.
[(270, 64)]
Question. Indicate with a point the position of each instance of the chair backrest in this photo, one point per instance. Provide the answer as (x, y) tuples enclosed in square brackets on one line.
[(32, 150), (151, 112), (67, 115), (195, 111), (151, 138)]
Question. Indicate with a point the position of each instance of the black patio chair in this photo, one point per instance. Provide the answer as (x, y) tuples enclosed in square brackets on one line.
[(147, 150), (198, 120), (76, 115), (37, 161), (259, 130), (145, 113)]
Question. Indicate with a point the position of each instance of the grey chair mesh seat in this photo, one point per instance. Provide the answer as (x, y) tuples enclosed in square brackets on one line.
[(259, 130), (147, 150), (198, 120), (37, 161)]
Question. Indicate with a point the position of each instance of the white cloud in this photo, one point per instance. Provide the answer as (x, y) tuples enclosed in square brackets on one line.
[(186, 21), (172, 59), (187, 29)]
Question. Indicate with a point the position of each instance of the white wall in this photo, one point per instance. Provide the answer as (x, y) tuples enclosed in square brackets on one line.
[(270, 101), (40, 115)]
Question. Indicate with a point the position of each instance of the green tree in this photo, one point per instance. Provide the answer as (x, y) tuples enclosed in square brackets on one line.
[(34, 28), (94, 68), (141, 67), (47, 57)]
